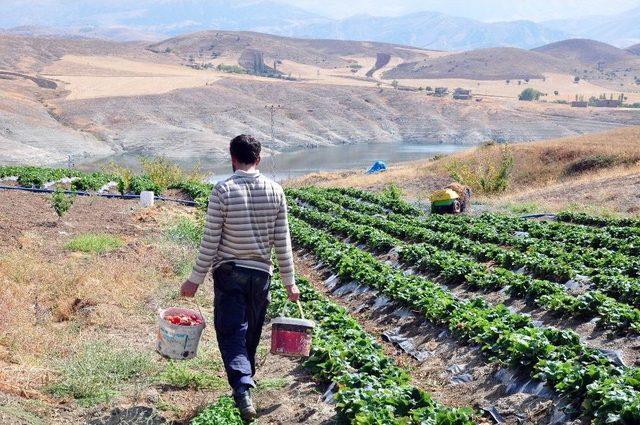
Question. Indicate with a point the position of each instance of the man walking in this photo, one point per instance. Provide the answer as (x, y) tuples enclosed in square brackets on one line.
[(246, 219)]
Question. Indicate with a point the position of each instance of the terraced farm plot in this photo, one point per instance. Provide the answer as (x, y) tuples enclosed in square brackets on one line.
[(421, 319)]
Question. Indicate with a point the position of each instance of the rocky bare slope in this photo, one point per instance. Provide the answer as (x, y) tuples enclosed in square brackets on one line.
[(200, 121)]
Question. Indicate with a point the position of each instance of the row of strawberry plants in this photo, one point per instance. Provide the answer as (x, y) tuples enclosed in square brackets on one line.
[(616, 237), (393, 204), (38, 177), (609, 276), (456, 268), (590, 220), (198, 191), (567, 260), (372, 389), (562, 264), (578, 237), (609, 393)]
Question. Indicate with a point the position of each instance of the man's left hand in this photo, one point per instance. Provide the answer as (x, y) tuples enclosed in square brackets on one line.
[(293, 292)]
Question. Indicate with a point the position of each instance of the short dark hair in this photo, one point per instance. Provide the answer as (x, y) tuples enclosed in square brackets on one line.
[(245, 149)]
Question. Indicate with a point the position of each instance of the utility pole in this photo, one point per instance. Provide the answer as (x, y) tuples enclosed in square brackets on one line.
[(272, 111)]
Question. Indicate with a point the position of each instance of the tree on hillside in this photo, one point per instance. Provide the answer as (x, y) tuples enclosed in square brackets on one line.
[(530, 94), (394, 83)]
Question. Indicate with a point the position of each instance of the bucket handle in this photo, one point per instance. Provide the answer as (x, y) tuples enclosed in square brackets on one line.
[(193, 302), (284, 308)]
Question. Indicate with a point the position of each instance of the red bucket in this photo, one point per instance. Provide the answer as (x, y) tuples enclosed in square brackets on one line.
[(291, 337)]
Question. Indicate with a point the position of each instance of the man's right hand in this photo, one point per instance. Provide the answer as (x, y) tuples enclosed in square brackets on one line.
[(188, 289)]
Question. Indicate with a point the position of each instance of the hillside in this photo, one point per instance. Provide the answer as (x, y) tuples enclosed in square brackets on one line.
[(614, 68), (597, 173), (484, 64), (586, 52), (635, 49), (32, 54), (231, 46), (95, 99)]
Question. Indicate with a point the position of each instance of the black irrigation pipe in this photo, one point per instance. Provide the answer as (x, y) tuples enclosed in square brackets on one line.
[(542, 215), (103, 195)]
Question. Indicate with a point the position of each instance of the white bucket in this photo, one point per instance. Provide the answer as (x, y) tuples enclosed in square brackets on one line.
[(175, 341), (146, 199)]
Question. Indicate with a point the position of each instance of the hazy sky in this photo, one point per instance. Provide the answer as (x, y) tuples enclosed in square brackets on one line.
[(486, 10)]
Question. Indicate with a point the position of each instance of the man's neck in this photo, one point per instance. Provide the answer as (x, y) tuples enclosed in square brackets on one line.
[(250, 168)]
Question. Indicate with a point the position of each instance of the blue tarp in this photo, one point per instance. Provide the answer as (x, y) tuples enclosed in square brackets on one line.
[(377, 167)]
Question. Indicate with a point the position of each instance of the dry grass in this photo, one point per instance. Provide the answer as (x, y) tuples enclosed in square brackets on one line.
[(547, 162), (67, 313)]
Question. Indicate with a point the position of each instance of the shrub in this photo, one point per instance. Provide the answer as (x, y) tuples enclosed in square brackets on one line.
[(162, 172), (487, 173), (61, 202), (233, 69), (591, 163), (392, 191), (96, 243), (140, 184), (530, 94), (121, 175)]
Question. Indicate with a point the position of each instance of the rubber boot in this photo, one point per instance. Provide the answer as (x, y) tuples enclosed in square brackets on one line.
[(245, 404)]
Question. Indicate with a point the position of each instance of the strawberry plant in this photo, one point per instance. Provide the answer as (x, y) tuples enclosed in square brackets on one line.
[(61, 202)]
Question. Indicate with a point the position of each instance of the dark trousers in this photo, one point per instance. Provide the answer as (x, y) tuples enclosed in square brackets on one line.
[(240, 305)]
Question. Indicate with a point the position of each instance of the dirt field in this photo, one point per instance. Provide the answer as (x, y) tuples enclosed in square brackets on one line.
[(74, 314), (562, 83)]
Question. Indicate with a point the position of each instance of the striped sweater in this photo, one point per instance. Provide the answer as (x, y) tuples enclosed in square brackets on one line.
[(246, 219)]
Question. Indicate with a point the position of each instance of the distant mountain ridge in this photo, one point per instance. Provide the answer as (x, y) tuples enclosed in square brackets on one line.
[(151, 20), (621, 30), (145, 19), (635, 49), (433, 30)]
